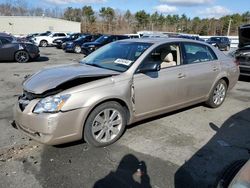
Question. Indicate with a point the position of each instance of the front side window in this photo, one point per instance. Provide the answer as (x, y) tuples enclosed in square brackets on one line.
[(196, 53), (118, 56), (167, 55)]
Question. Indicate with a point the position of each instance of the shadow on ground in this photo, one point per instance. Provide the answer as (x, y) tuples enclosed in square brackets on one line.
[(42, 59), (115, 166), (227, 145), (244, 78), (130, 173)]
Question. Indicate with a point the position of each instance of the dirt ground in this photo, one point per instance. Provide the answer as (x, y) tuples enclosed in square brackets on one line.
[(187, 148)]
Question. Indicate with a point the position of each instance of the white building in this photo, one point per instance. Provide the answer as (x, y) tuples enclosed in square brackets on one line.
[(22, 25)]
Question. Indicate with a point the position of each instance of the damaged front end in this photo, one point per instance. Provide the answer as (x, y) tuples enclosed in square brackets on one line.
[(50, 109), (27, 96)]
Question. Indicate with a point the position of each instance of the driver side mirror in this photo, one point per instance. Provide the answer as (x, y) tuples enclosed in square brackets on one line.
[(149, 67)]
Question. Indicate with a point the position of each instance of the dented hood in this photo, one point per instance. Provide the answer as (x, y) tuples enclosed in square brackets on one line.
[(51, 78)]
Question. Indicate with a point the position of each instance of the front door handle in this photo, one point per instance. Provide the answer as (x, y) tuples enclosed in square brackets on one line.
[(181, 75)]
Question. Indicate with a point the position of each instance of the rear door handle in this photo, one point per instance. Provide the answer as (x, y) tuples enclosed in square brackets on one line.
[(181, 75)]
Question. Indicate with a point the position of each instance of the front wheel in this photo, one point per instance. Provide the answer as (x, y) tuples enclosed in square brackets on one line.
[(77, 49), (44, 43), (218, 94), (105, 124), (22, 56)]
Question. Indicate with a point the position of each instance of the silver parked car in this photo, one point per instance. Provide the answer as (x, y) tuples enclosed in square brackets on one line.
[(119, 84)]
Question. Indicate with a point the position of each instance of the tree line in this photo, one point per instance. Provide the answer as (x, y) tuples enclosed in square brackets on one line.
[(109, 20)]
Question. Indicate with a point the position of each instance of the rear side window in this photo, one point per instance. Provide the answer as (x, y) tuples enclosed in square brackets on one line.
[(197, 53), (61, 35), (4, 41)]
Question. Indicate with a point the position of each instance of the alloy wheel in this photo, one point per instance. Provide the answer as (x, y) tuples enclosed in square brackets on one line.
[(219, 94), (22, 57), (78, 49), (107, 125), (44, 43)]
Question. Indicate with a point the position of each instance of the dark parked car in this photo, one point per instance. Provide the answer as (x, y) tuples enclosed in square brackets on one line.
[(89, 47), (222, 43), (58, 42), (192, 37), (12, 50), (242, 54), (75, 46)]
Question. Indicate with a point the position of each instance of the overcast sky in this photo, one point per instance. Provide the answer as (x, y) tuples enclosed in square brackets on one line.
[(192, 8)]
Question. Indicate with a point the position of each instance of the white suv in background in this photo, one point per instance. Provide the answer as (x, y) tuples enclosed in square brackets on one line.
[(48, 40)]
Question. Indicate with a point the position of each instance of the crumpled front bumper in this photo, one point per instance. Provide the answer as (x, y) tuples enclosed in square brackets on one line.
[(48, 128)]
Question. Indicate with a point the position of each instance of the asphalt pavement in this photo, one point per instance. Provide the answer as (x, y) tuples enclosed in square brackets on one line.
[(185, 148)]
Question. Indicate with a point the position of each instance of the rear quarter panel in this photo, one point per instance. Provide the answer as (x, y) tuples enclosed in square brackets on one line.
[(229, 69)]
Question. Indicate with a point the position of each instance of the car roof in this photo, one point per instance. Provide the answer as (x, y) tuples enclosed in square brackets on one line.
[(163, 40), (2, 34), (219, 37), (245, 26)]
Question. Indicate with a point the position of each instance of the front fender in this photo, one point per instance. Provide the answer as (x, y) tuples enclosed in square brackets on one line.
[(89, 99)]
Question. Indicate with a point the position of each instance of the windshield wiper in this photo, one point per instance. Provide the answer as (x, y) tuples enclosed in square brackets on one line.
[(94, 65)]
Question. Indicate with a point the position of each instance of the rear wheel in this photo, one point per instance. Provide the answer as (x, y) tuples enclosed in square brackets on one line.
[(105, 124), (22, 56), (77, 49), (218, 94), (44, 43)]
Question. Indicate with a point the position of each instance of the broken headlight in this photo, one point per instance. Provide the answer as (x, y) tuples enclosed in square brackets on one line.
[(51, 104)]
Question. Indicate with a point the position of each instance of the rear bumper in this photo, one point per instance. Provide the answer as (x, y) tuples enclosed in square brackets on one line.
[(244, 70), (34, 55)]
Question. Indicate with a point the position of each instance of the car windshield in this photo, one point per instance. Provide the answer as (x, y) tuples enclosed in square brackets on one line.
[(117, 56), (80, 38), (71, 36), (102, 39), (44, 34)]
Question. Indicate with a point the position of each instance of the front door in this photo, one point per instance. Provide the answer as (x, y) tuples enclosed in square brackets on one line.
[(156, 91)]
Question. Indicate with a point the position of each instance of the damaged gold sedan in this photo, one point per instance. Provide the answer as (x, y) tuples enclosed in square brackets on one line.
[(119, 84)]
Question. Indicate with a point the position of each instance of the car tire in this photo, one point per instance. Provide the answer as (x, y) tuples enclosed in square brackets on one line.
[(105, 124), (225, 178), (43, 43), (22, 56), (77, 49), (218, 94)]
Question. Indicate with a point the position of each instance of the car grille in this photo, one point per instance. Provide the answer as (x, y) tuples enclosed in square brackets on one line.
[(25, 99)]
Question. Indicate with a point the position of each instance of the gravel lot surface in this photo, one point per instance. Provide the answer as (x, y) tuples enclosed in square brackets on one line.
[(186, 148)]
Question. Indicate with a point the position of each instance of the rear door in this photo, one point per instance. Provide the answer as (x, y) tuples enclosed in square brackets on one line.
[(202, 68)]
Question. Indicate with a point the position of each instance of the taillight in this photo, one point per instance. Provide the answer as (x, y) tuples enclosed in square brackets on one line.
[(237, 62)]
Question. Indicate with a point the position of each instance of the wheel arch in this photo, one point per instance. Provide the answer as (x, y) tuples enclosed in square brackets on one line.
[(220, 77), (226, 80), (43, 40), (115, 99)]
